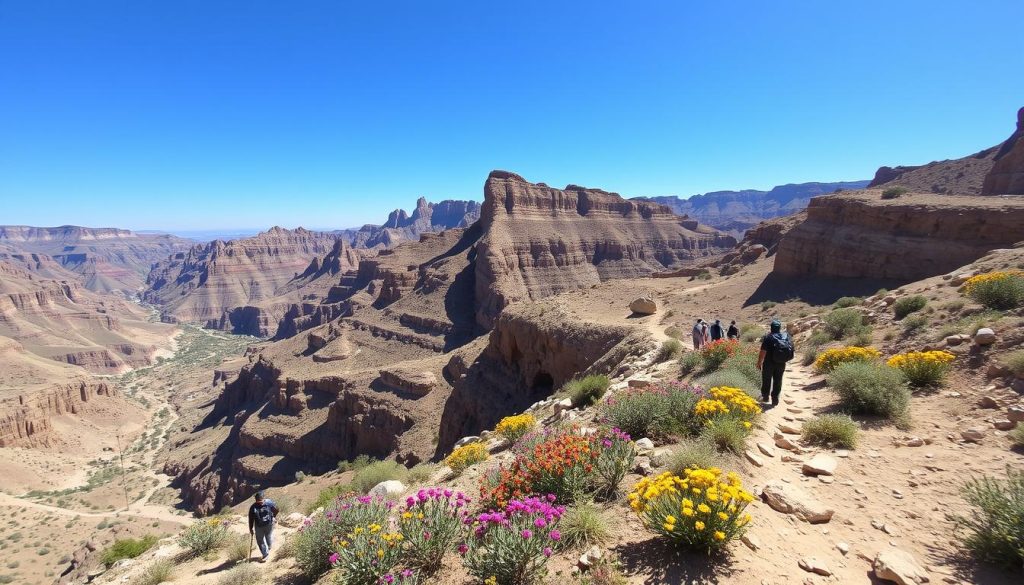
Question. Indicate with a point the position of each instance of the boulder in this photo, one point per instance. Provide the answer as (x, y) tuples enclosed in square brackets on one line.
[(790, 499), (1015, 413), (985, 336), (814, 565), (897, 566), (644, 306), (293, 520), (466, 440), (562, 405), (987, 402), (820, 465), (1004, 425), (973, 434), (644, 445), (388, 489)]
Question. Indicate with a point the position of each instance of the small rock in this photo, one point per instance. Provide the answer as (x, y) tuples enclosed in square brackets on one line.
[(953, 340), (913, 442), (893, 564), (843, 547), (826, 479), (1004, 425), (820, 465), (766, 449), (293, 520), (638, 383), (985, 336), (562, 405), (384, 489), (961, 278), (643, 466), (783, 443), (751, 541), (790, 499), (644, 444), (973, 435), (466, 440), (813, 565), (988, 402), (792, 459), (753, 458), (590, 558), (660, 457), (789, 429), (1015, 413)]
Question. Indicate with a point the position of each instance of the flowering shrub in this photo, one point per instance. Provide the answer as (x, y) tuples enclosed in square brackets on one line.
[(923, 368), (512, 547), (700, 511), (1001, 290), (726, 401), (431, 524), (465, 456), (716, 352), (366, 554), (661, 409), (566, 465), (514, 427), (317, 537), (204, 536), (830, 358)]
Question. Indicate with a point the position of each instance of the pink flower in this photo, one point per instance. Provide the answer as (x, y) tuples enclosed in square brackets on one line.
[(547, 551), (555, 535), (333, 558), (526, 534), (540, 523), (463, 549)]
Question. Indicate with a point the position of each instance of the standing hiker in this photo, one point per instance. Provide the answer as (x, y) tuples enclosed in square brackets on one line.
[(734, 331), (776, 350), (705, 334), (717, 332), (698, 334), (261, 523)]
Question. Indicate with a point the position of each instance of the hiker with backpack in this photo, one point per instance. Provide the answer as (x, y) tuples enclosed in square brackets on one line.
[(716, 330), (734, 331), (261, 524), (776, 349)]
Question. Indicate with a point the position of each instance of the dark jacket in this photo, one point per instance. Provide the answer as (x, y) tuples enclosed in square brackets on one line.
[(255, 509), (733, 333)]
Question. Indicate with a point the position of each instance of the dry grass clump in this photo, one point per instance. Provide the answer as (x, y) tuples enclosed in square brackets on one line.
[(587, 391), (247, 574), (583, 526), (158, 572), (995, 525), (831, 430), (727, 434), (1015, 362), (1017, 436), (871, 388), (695, 454), (237, 547), (669, 350), (894, 192)]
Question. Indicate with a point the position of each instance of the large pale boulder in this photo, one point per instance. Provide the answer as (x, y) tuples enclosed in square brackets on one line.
[(985, 336), (893, 564), (293, 520), (388, 489), (644, 306), (790, 499)]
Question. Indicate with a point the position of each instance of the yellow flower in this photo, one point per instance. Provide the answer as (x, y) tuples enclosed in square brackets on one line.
[(719, 535), (723, 516), (688, 512), (703, 509), (668, 526), (466, 456), (698, 525), (670, 519)]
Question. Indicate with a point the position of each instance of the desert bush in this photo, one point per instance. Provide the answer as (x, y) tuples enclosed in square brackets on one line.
[(829, 359), (689, 362), (314, 542), (583, 526), (727, 434), (1002, 290), (923, 368), (669, 350), (843, 323), (126, 548), (157, 572), (697, 453), (587, 391), (237, 547), (810, 355), (285, 547), (914, 323), (246, 574), (768, 305), (844, 302), (356, 464), (907, 305), (421, 472), (871, 388), (751, 333), (377, 472), (328, 495), (512, 428), (606, 571), (715, 353), (995, 524), (512, 547), (1015, 362), (285, 504), (430, 525), (698, 511), (831, 430), (367, 553), (465, 456), (743, 362), (1017, 436), (894, 192), (659, 410), (204, 536), (676, 332)]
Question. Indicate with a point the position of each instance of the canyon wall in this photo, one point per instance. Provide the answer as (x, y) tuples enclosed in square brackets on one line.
[(1007, 174), (25, 418)]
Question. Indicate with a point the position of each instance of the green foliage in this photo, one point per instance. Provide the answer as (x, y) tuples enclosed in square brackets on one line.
[(844, 302), (831, 430), (355, 465), (749, 333), (1017, 436), (377, 472), (1015, 362), (583, 526), (158, 572), (995, 524), (843, 323), (327, 496), (693, 454), (768, 305), (914, 323), (810, 354), (894, 192), (203, 536), (689, 362), (314, 544), (669, 350), (727, 433), (126, 548), (871, 388), (676, 332), (237, 547), (1001, 294), (421, 472), (662, 410), (247, 574), (907, 305), (587, 391)]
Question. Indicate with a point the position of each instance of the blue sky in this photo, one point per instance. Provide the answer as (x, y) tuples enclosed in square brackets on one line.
[(215, 115)]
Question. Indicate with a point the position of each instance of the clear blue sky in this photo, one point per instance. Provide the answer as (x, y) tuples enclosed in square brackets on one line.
[(202, 114)]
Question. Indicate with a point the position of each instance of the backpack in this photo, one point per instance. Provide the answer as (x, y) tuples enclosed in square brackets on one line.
[(781, 347), (716, 331), (264, 514)]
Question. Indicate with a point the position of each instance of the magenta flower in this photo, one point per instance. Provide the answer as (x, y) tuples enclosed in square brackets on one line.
[(547, 551), (526, 534), (333, 558), (555, 535), (463, 549), (540, 523)]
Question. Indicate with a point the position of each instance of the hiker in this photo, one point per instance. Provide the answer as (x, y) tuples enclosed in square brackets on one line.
[(261, 523), (698, 334), (734, 331), (716, 330), (704, 333), (776, 350)]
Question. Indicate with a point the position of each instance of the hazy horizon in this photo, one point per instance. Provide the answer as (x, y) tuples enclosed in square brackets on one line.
[(193, 116)]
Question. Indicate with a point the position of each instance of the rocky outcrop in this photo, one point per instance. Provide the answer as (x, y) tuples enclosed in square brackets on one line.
[(913, 237), (426, 217), (25, 419), (1007, 174), (538, 241)]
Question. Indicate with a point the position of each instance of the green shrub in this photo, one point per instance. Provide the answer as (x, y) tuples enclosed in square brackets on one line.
[(907, 305), (871, 388), (676, 332), (669, 350), (894, 192), (204, 536), (377, 472), (831, 430), (810, 355), (286, 547), (126, 548), (727, 433), (749, 333), (421, 472), (743, 362), (689, 362), (315, 543), (328, 495), (582, 526), (914, 323), (355, 465), (953, 306), (693, 454), (768, 305), (587, 391), (247, 574), (995, 525), (1015, 362), (844, 302), (999, 290), (237, 547), (843, 323), (1017, 436), (156, 573), (660, 410)]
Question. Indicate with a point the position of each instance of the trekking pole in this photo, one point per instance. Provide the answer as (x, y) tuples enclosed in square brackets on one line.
[(248, 559)]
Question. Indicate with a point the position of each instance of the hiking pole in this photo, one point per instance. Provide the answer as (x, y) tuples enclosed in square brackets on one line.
[(248, 559)]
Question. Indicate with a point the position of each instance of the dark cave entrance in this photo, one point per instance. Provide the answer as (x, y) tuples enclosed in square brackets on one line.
[(543, 384)]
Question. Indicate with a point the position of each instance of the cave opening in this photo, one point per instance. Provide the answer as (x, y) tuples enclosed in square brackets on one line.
[(543, 384)]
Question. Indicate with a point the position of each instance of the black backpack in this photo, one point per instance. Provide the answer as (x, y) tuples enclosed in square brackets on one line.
[(781, 347), (264, 514), (716, 331)]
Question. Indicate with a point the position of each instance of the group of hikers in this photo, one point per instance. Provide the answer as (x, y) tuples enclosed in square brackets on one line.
[(776, 350)]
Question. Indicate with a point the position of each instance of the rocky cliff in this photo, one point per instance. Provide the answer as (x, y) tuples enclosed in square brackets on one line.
[(539, 241), (860, 235), (426, 217), (1007, 174), (25, 421)]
